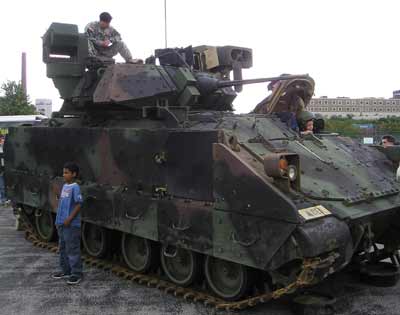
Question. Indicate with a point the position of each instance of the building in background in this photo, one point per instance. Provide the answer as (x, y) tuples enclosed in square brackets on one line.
[(396, 94), (358, 108), (44, 106)]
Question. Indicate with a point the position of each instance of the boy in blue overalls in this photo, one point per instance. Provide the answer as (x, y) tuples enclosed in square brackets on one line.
[(68, 223)]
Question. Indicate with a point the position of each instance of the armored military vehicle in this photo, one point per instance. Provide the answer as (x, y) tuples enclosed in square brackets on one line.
[(173, 180)]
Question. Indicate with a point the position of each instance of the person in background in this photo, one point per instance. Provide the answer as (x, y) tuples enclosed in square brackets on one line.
[(3, 198), (388, 141)]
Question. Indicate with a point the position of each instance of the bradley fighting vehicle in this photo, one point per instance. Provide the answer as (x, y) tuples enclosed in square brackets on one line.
[(175, 181)]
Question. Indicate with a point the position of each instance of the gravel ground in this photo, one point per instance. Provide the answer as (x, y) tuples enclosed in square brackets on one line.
[(27, 288)]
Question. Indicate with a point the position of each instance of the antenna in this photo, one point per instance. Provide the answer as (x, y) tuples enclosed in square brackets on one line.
[(165, 23), (23, 73)]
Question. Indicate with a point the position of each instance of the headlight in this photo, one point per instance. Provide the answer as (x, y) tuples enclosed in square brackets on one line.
[(292, 173), (283, 166)]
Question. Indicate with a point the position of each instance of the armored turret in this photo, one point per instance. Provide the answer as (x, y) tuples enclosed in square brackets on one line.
[(193, 77)]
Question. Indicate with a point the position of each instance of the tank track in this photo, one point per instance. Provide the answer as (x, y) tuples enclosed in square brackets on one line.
[(304, 279)]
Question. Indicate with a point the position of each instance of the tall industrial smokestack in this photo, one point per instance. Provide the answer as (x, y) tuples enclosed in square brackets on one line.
[(23, 73)]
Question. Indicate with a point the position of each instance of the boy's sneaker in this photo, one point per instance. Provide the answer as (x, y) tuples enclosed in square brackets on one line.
[(60, 275), (74, 280)]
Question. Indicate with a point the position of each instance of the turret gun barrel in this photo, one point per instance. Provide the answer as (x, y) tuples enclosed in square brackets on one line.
[(222, 84), (208, 84)]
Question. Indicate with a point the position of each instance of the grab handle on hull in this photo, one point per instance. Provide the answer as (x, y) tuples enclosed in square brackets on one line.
[(134, 218), (244, 244)]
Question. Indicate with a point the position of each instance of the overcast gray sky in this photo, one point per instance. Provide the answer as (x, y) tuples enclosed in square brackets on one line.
[(350, 47)]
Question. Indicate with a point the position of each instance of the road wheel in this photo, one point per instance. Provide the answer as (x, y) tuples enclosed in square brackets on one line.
[(44, 223), (180, 265), (95, 240), (139, 253), (228, 280)]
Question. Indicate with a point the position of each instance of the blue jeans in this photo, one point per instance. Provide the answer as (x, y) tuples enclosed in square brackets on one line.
[(2, 190), (69, 242)]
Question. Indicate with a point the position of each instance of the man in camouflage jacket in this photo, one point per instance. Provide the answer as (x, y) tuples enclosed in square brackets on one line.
[(104, 40)]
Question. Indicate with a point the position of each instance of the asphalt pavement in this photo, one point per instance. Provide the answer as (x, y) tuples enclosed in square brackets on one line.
[(27, 288)]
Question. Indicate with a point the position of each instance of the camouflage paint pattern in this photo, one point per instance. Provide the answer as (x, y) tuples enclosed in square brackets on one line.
[(200, 180), (203, 195)]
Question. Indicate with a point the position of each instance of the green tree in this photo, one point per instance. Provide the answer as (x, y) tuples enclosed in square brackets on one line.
[(13, 101)]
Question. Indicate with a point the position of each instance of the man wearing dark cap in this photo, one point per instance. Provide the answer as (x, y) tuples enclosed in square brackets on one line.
[(105, 41), (388, 141)]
